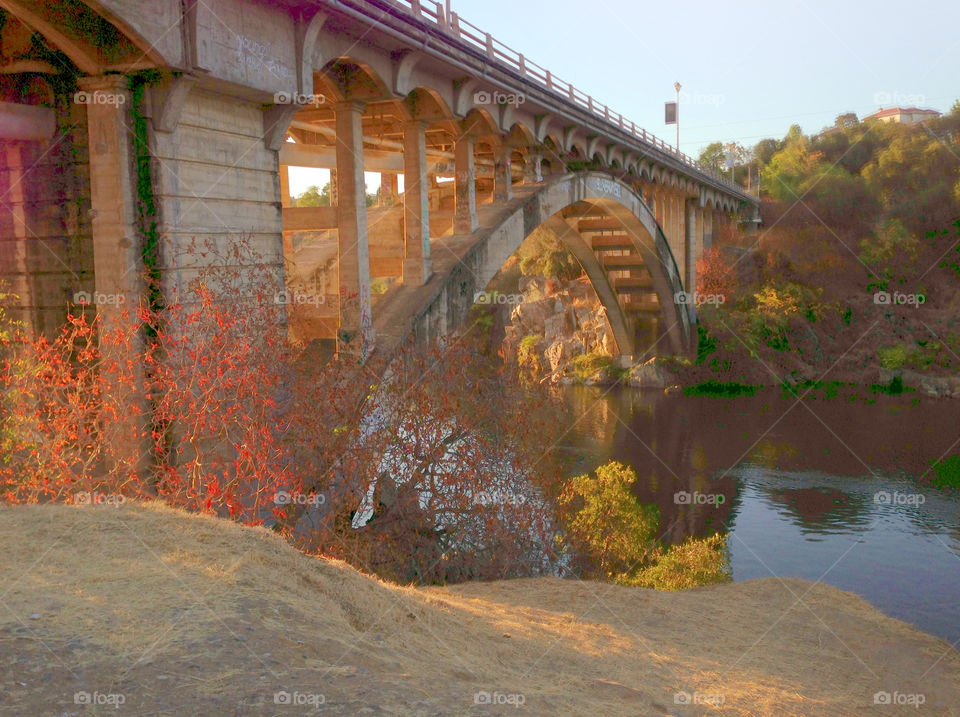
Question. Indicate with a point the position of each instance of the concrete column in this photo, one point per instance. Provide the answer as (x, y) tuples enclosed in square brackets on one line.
[(286, 201), (117, 259), (334, 193), (681, 205), (16, 199), (388, 189), (502, 176), (707, 228), (355, 338), (465, 217), (668, 219), (285, 198), (691, 248), (676, 240), (417, 265), (533, 168), (699, 219)]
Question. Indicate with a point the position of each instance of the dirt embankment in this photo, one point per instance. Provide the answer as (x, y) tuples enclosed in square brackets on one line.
[(143, 610)]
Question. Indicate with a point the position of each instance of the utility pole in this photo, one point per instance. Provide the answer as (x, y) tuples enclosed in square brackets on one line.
[(676, 86)]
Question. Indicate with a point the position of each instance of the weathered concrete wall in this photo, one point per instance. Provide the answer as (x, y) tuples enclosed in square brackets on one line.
[(157, 22), (247, 43), (46, 249), (214, 181)]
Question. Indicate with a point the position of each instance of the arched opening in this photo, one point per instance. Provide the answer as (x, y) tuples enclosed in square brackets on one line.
[(616, 240)]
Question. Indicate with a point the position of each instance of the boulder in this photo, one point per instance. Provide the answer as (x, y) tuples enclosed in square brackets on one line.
[(556, 354), (652, 374), (532, 314)]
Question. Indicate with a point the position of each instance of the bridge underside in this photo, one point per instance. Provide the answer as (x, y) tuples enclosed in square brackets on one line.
[(179, 139)]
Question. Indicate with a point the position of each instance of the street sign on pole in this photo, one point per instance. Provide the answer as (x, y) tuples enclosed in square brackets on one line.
[(670, 113)]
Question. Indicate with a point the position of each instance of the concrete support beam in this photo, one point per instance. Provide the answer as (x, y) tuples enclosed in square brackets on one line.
[(691, 246), (465, 217), (117, 259), (503, 176), (12, 160), (417, 265), (355, 338), (285, 199), (707, 228), (296, 219), (533, 168), (25, 122)]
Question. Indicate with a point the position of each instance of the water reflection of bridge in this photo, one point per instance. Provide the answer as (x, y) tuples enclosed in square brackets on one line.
[(657, 438), (708, 445)]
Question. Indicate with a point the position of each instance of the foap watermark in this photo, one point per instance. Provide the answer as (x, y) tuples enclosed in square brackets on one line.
[(283, 497), (96, 498), (113, 699), (503, 498), (495, 297), (687, 98), (514, 699), (483, 97), (98, 98), (298, 98), (896, 99), (687, 298), (912, 699), (887, 298), (295, 298), (683, 697), (685, 497), (302, 699), (96, 298), (885, 497)]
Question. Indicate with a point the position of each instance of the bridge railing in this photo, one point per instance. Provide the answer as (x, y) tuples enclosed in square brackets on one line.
[(434, 12)]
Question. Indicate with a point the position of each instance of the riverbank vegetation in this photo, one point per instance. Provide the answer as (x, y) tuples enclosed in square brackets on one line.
[(855, 268), (617, 537)]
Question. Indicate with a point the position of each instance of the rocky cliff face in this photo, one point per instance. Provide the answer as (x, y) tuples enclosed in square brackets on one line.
[(552, 322)]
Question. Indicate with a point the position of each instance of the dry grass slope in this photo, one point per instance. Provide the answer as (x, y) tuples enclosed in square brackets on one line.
[(189, 615)]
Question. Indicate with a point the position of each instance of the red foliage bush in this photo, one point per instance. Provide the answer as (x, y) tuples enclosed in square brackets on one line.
[(433, 464)]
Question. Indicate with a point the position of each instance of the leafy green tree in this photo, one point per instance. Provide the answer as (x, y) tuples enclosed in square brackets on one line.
[(542, 254), (847, 119), (838, 198), (764, 150), (712, 156), (789, 168), (914, 177), (314, 197), (606, 521)]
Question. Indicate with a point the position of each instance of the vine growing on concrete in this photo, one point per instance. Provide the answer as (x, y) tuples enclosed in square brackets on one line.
[(146, 201)]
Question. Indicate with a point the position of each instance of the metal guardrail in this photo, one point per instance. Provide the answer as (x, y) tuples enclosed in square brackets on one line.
[(433, 12)]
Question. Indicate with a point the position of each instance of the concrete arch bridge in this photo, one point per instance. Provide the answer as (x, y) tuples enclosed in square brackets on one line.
[(130, 128)]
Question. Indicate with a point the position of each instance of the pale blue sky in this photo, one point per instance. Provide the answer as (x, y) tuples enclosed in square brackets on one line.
[(749, 69)]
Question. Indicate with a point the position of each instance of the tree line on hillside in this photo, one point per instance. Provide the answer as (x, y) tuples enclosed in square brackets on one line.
[(853, 217)]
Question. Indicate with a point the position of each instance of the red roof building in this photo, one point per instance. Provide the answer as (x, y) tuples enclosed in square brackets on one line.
[(903, 115)]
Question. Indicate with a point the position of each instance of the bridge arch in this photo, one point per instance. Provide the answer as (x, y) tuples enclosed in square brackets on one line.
[(557, 204)]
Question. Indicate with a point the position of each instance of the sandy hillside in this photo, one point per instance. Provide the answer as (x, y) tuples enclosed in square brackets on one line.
[(176, 614)]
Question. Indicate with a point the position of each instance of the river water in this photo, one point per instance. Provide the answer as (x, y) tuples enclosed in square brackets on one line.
[(826, 489)]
